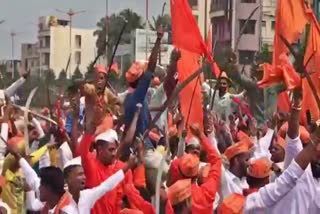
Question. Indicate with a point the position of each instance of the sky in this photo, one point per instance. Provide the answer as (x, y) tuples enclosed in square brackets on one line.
[(22, 17)]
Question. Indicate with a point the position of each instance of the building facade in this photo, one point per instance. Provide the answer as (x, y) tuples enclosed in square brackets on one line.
[(228, 17), (11, 66), (201, 12), (268, 22), (55, 45)]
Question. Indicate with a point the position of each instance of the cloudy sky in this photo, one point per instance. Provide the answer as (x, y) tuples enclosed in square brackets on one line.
[(22, 15)]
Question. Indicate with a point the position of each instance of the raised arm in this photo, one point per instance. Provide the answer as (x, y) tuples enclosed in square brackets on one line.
[(294, 145), (272, 193), (170, 81), (130, 133)]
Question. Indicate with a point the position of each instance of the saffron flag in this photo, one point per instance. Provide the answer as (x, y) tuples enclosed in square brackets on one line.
[(187, 65), (282, 72), (311, 60), (185, 32), (291, 19), (115, 67)]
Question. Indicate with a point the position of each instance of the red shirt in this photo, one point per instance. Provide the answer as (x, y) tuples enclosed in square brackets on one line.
[(96, 173), (203, 195)]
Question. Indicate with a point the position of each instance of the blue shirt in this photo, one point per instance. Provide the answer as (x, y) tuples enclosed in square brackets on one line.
[(130, 102)]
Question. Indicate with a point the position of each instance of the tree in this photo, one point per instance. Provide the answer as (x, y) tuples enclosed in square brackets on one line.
[(115, 23), (62, 80), (77, 74), (165, 21), (263, 56), (50, 77)]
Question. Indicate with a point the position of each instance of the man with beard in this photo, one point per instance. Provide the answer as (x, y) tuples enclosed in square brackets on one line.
[(302, 194), (223, 100)]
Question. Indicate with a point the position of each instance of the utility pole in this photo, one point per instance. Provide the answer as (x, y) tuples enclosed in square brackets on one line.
[(70, 13)]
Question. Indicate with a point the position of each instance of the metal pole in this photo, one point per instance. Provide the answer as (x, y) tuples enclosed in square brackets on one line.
[(12, 52)]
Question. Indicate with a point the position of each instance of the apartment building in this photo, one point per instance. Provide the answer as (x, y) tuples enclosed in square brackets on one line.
[(201, 12), (228, 17), (268, 22), (55, 45)]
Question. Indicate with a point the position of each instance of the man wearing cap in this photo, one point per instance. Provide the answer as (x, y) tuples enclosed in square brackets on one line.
[(139, 77), (277, 151), (223, 100), (106, 99), (84, 199), (100, 166), (258, 175), (233, 179), (184, 194)]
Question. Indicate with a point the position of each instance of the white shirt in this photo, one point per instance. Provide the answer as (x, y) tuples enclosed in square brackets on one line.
[(88, 197), (65, 155), (4, 205), (158, 98), (295, 191), (261, 146), (223, 106), (271, 195), (231, 184)]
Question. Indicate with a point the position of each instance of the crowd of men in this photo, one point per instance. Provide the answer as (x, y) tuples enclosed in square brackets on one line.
[(105, 153)]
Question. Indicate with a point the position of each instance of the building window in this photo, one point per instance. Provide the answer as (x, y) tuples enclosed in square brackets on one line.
[(77, 57), (250, 28), (248, 1), (78, 41), (193, 3), (246, 57), (263, 24), (273, 24), (196, 17), (47, 41), (46, 59)]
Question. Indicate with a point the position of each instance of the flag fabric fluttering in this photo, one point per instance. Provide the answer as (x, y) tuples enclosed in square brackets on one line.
[(282, 72), (215, 68), (311, 61), (291, 19), (185, 32)]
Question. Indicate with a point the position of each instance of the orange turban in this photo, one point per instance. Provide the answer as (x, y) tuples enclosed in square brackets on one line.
[(189, 165), (130, 211), (304, 134), (156, 81), (260, 168), (101, 69), (281, 142), (154, 136), (135, 71), (238, 148), (224, 76), (233, 204), (179, 191)]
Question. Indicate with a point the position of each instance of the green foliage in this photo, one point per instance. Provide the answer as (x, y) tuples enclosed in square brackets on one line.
[(77, 74), (115, 24)]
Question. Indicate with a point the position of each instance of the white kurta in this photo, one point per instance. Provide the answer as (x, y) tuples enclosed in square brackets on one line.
[(295, 191)]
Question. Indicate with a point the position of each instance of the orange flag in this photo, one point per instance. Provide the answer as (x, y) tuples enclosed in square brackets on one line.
[(311, 60), (283, 72), (186, 66), (291, 19), (185, 31)]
